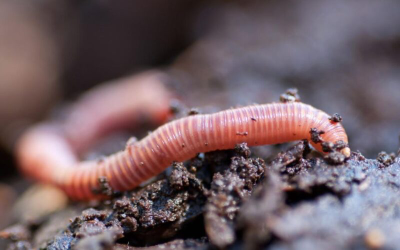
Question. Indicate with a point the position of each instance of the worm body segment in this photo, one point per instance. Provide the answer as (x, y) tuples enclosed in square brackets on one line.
[(178, 140)]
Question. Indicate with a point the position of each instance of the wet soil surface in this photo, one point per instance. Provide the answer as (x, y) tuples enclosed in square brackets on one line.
[(230, 199)]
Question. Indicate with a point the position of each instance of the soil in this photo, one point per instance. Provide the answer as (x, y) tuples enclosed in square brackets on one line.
[(230, 199)]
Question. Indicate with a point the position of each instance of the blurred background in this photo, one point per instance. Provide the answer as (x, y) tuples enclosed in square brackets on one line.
[(343, 56)]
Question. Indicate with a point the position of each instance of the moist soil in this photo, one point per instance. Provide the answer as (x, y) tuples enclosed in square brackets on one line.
[(233, 199)]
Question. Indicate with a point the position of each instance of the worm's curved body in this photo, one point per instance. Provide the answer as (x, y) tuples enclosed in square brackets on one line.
[(46, 154)]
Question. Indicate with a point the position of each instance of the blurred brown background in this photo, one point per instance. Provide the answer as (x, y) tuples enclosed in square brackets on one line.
[(343, 56)]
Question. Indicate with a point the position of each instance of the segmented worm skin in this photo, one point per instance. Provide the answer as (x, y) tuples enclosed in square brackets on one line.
[(178, 140)]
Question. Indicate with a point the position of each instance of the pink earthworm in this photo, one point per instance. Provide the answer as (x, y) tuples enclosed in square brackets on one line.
[(46, 153)]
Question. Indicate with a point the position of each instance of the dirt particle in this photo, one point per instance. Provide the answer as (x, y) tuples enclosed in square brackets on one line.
[(336, 118), (290, 156), (124, 206), (316, 135), (290, 95), (91, 214), (358, 156), (129, 224), (179, 177), (339, 145), (193, 111), (104, 187), (385, 159), (243, 150), (335, 158), (327, 146), (330, 147), (253, 119)]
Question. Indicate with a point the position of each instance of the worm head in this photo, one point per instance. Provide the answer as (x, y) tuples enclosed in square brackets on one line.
[(346, 151)]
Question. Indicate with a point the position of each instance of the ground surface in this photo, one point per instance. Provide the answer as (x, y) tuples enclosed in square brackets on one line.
[(232, 199)]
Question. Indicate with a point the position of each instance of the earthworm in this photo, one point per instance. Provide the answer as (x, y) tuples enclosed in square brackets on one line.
[(46, 154)]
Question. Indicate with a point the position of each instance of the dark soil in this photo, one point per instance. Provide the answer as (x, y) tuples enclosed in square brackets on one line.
[(229, 199)]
